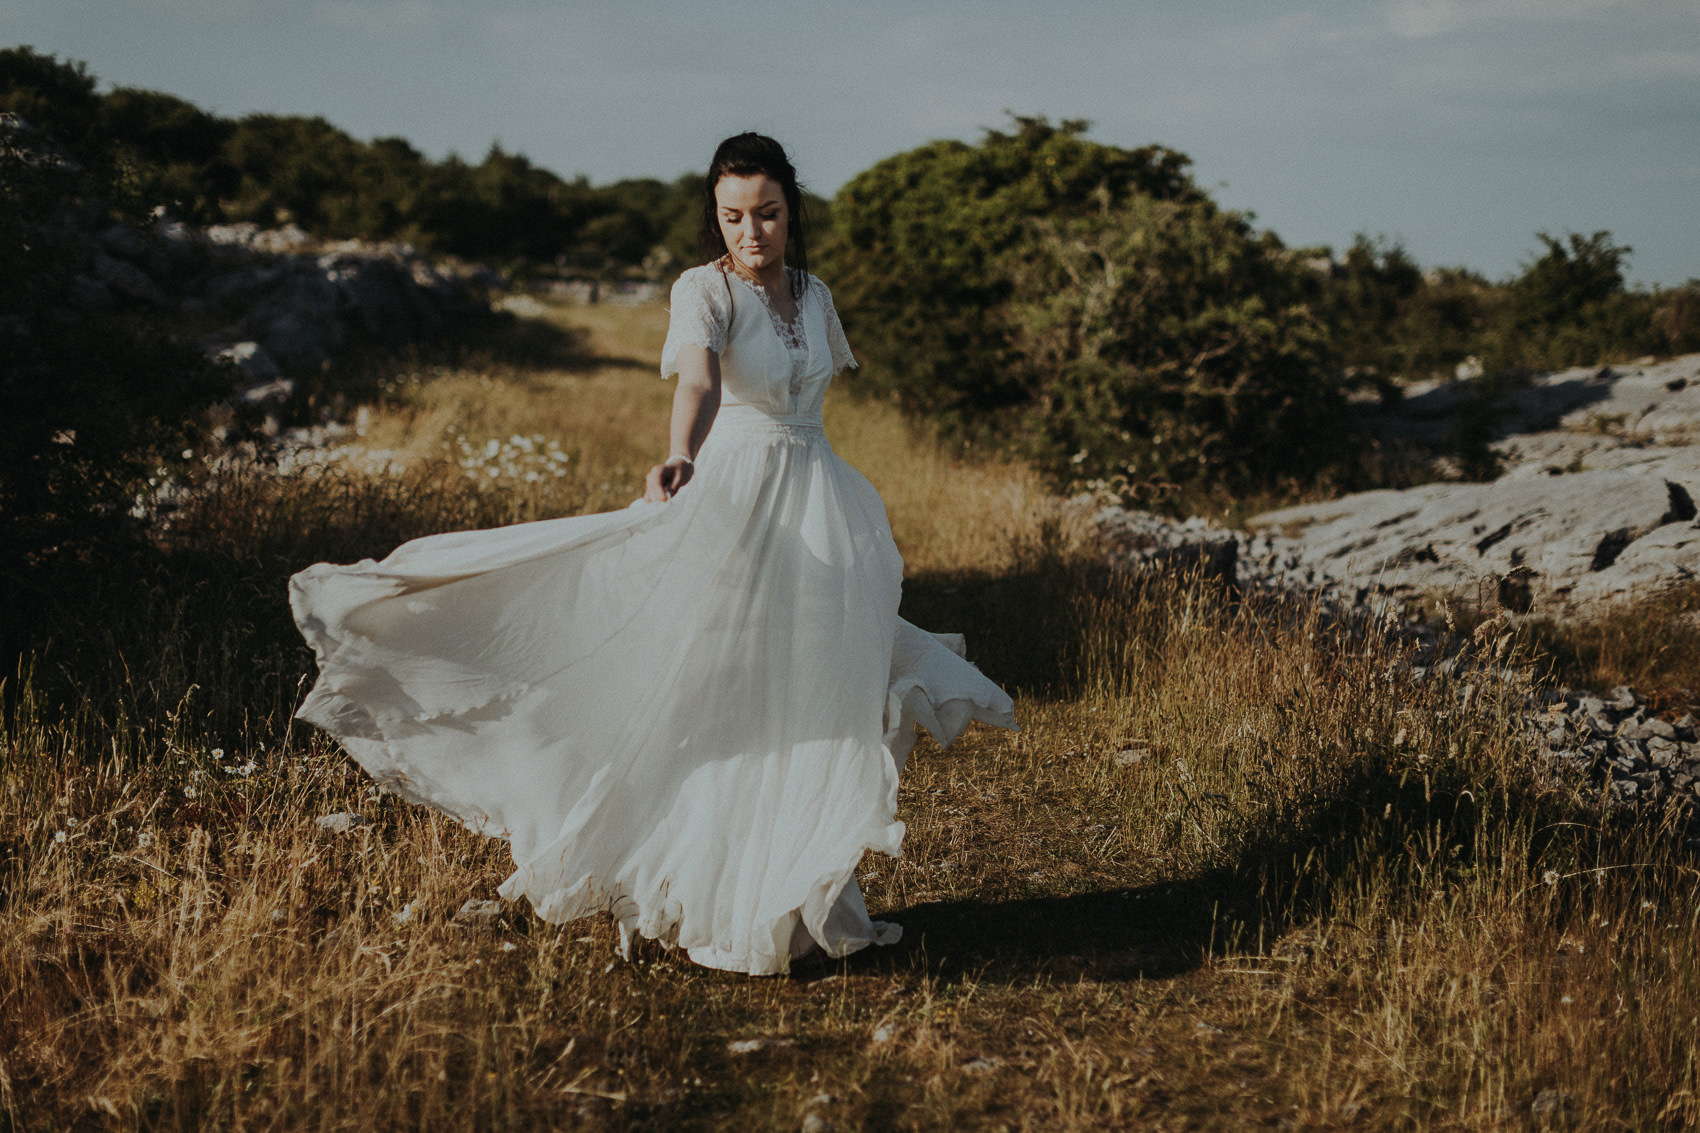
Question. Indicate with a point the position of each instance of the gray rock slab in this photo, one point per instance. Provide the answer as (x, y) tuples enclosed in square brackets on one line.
[(128, 280), (1623, 524)]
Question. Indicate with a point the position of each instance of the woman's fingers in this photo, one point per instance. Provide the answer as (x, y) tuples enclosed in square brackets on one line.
[(665, 480), (654, 491)]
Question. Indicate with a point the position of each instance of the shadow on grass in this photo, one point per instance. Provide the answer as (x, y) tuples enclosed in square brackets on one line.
[(1023, 627), (1374, 827), (537, 344), (514, 347), (1148, 932)]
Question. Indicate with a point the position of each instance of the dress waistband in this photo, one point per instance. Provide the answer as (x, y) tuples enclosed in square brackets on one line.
[(753, 417)]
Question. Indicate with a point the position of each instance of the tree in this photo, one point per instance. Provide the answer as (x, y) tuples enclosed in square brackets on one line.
[(1569, 308), (90, 401), (1088, 305), (917, 257), (1392, 322), (1162, 340), (55, 97)]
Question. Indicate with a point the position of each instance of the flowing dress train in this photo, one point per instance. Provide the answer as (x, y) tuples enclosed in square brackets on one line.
[(690, 714)]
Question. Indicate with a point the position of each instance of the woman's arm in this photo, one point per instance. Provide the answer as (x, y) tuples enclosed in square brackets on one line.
[(695, 404)]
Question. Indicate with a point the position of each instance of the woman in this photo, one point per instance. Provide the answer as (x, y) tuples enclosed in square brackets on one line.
[(691, 713)]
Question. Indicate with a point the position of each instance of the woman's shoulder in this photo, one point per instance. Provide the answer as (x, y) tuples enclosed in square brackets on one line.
[(702, 288), (842, 358), (816, 287), (696, 280)]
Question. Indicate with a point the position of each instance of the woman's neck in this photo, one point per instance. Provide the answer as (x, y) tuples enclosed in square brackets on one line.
[(772, 278)]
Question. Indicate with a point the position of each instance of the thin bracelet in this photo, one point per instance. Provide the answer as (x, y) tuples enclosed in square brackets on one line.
[(680, 456)]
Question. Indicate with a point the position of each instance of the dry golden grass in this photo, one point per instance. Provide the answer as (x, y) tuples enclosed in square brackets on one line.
[(1238, 869)]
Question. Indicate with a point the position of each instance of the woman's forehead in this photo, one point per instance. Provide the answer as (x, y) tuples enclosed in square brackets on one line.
[(747, 192)]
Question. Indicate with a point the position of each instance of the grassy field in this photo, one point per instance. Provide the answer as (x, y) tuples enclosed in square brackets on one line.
[(1238, 868)]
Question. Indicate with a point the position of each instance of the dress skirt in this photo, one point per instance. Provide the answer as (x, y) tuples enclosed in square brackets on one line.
[(690, 714)]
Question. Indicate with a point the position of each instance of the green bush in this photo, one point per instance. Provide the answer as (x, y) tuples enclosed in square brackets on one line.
[(90, 402), (1570, 308), (919, 255), (1086, 304), (1567, 307), (1390, 320), (1162, 340)]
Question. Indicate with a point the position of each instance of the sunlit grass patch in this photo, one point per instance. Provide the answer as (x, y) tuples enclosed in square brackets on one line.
[(1241, 865)]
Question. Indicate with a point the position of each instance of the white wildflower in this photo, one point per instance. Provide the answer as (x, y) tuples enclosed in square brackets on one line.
[(59, 835), (1550, 877)]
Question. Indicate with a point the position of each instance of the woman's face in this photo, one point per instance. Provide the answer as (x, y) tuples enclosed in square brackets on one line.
[(754, 221)]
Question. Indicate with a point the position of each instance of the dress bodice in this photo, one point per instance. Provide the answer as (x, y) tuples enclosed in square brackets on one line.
[(767, 365)]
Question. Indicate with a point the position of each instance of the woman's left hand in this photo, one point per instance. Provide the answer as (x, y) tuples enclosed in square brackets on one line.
[(665, 480)]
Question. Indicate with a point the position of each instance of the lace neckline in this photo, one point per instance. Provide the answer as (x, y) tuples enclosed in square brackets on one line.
[(790, 331)]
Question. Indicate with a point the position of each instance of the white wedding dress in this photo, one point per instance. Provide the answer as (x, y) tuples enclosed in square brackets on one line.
[(690, 714)]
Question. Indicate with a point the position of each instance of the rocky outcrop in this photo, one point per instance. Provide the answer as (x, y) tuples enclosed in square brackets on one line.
[(1596, 500), (283, 304), (1636, 758), (279, 304), (1624, 754)]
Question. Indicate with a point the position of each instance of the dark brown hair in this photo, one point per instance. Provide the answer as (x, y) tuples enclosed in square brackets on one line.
[(755, 155)]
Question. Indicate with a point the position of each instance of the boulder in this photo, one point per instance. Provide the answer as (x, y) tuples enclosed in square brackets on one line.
[(341, 822), (128, 280), (239, 235), (90, 294), (289, 238), (1581, 536), (123, 241), (296, 342)]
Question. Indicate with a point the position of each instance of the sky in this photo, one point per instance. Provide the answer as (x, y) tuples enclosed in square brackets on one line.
[(1458, 128)]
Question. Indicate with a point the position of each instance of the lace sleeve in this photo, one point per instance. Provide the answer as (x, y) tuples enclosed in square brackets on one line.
[(699, 314), (842, 359)]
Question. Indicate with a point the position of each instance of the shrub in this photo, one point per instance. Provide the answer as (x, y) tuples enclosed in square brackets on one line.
[(1569, 308), (1162, 340), (919, 255), (1088, 303), (1389, 319), (90, 401)]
